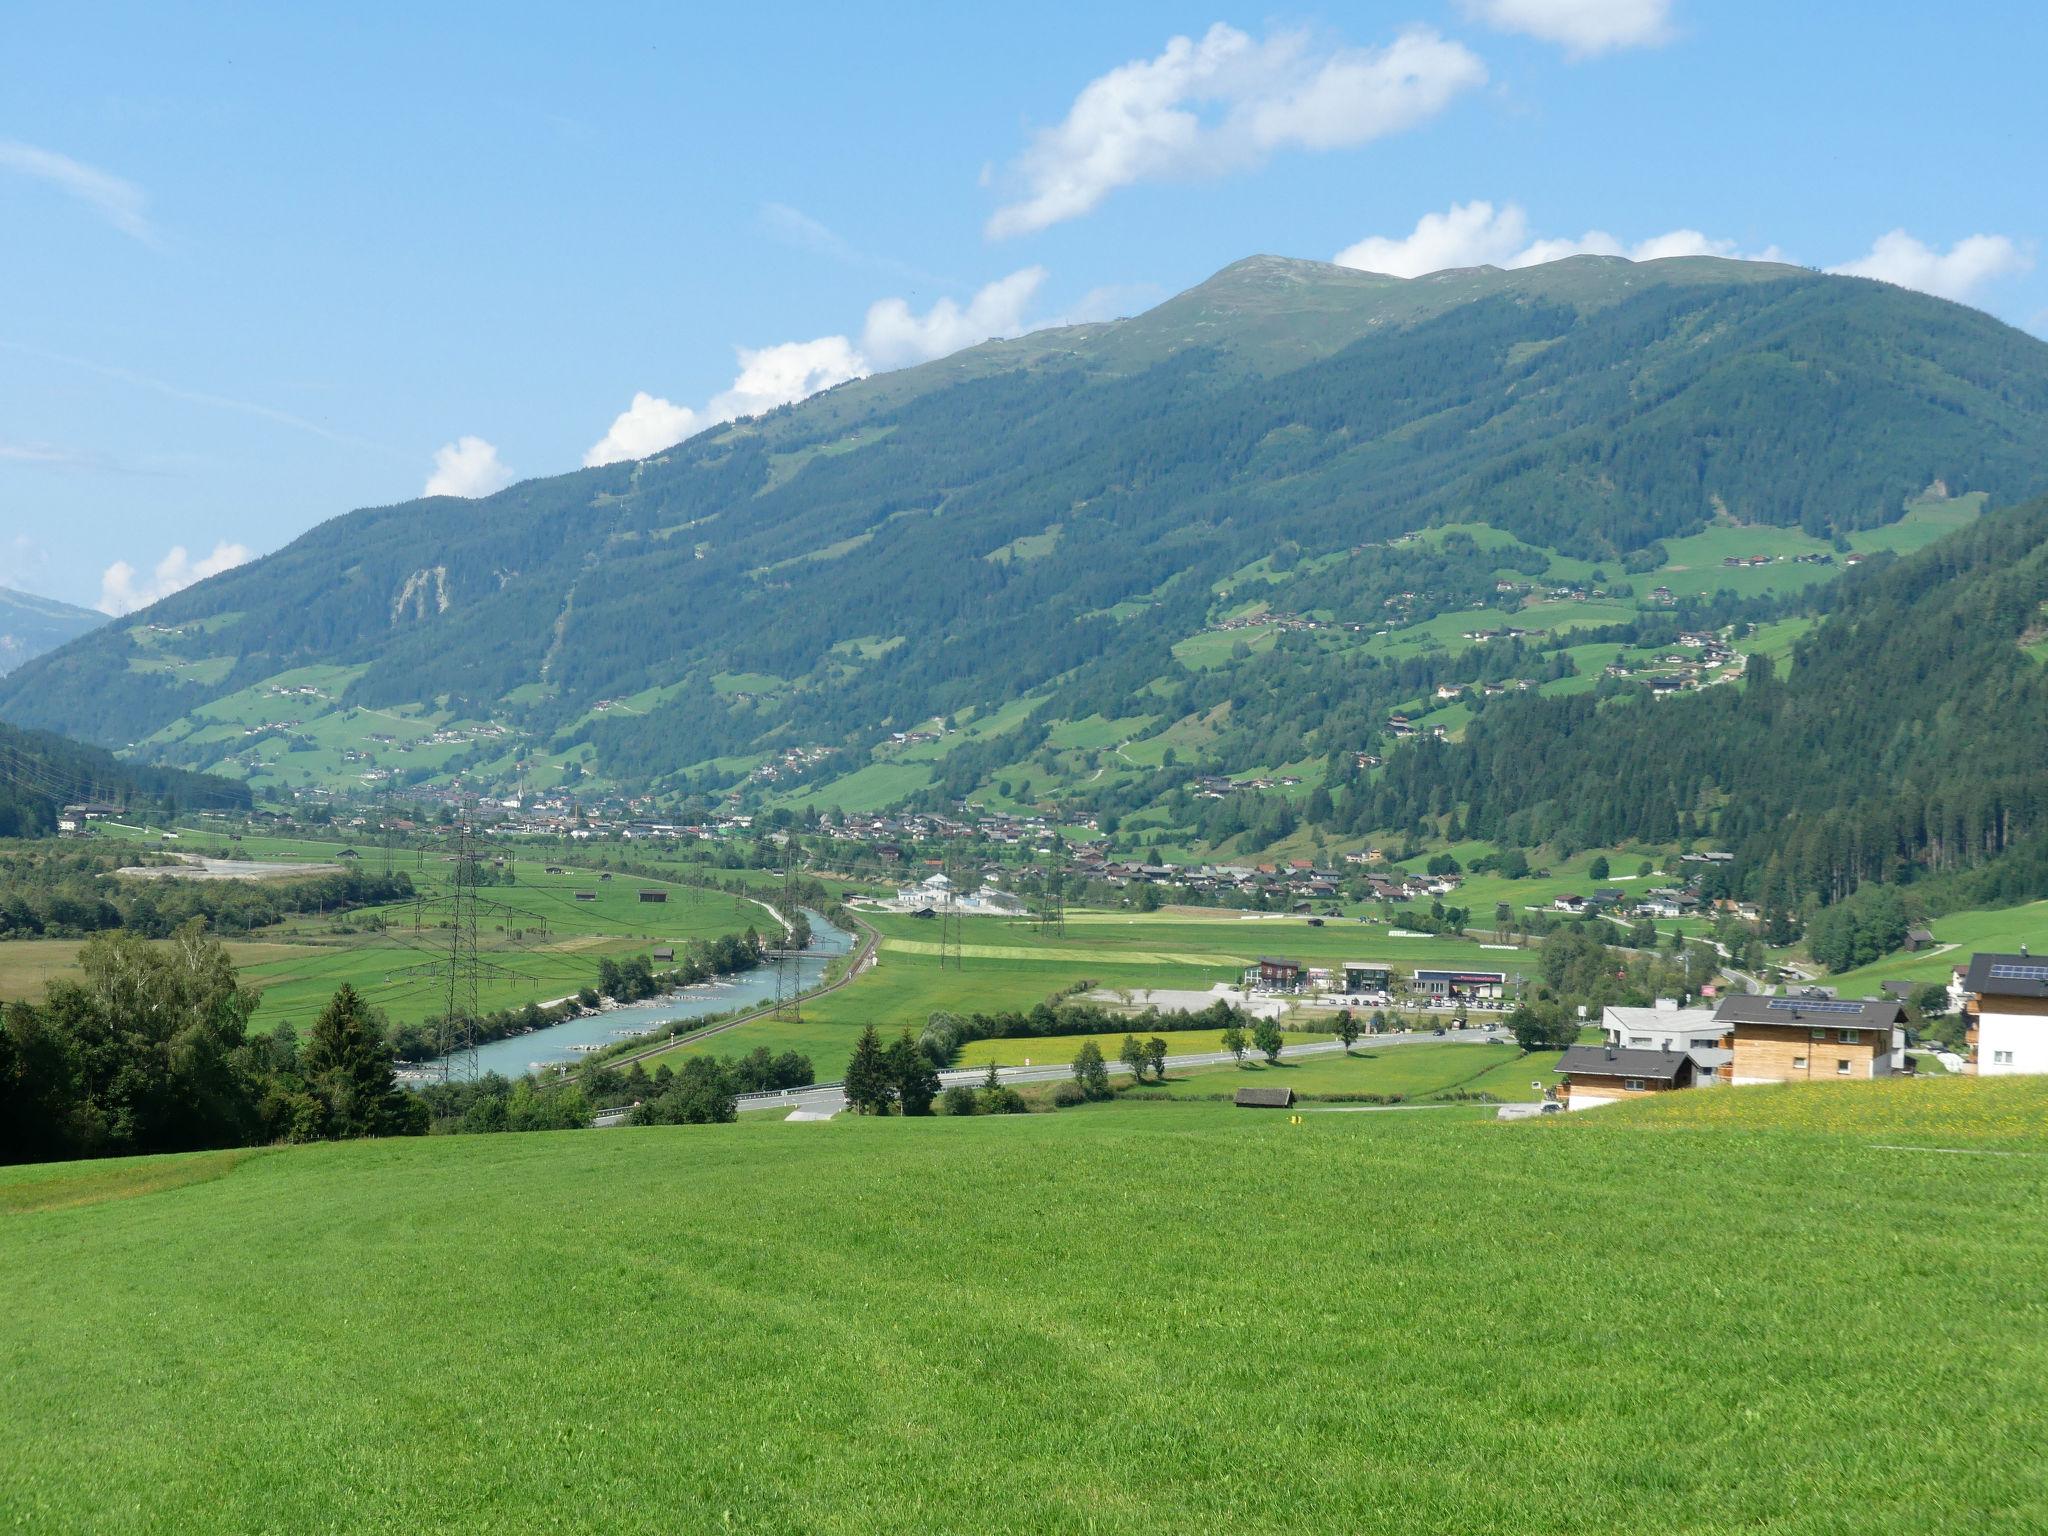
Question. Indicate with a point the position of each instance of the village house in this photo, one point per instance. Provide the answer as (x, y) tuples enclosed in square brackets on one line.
[(1604, 1074), (1668, 1027), (1801, 1039), (2007, 1008)]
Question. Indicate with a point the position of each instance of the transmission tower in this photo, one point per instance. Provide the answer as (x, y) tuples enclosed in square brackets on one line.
[(464, 969), (1052, 910), (390, 832)]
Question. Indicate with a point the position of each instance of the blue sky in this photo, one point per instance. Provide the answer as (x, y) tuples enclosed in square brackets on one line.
[(259, 266)]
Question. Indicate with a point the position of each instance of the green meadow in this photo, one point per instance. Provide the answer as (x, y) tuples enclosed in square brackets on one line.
[(538, 939), (1011, 965), (1735, 1311)]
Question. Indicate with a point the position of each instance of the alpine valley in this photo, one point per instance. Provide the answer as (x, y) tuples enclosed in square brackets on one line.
[(1302, 546)]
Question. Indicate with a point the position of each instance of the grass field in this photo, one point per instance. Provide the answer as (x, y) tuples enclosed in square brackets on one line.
[(28, 965), (1728, 1312), (1012, 965), (1957, 937), (540, 940), (1412, 1071)]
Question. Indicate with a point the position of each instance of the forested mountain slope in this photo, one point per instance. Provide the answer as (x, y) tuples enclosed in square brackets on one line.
[(31, 625), (1046, 520), (1904, 743), (40, 773)]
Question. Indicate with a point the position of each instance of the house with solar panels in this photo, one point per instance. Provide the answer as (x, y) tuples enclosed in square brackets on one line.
[(1810, 1039), (2006, 1002)]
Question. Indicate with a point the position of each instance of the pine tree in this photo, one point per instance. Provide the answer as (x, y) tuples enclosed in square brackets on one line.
[(911, 1076), (347, 1065), (867, 1076)]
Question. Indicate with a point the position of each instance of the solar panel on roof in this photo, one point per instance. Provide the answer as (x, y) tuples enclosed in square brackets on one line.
[(2015, 972), (1813, 1005)]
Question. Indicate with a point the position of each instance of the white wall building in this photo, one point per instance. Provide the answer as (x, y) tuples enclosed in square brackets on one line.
[(2008, 1013), (1668, 1027)]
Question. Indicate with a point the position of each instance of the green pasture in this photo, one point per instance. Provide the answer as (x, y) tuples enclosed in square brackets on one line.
[(1956, 937), (1413, 1071), (1134, 1318)]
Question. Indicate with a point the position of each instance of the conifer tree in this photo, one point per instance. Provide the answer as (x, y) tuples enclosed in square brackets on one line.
[(347, 1065), (910, 1074), (867, 1076)]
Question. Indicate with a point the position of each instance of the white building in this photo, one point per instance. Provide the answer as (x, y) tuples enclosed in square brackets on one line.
[(1668, 1027), (2008, 1013)]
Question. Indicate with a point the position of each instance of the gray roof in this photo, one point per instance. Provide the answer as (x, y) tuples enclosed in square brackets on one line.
[(1835, 1013), (1264, 1098), (1615, 1061), (2007, 975)]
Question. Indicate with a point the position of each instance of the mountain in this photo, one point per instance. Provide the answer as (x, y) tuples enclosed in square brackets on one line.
[(1901, 746), (1230, 532), (40, 773), (31, 625)]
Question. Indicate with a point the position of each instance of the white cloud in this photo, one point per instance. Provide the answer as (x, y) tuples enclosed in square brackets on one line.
[(768, 377), (1954, 274), (1225, 103), (469, 466), (894, 336), (782, 375), (1583, 27), (648, 425), (120, 203), (1468, 235), (123, 589), (1480, 234)]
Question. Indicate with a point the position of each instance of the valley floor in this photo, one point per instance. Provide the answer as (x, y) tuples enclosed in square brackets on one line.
[(1787, 1310)]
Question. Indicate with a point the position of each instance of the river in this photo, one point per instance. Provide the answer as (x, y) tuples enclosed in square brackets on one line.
[(517, 1055)]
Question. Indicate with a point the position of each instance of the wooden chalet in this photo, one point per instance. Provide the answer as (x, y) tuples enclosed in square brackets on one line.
[(1605, 1074), (1800, 1039)]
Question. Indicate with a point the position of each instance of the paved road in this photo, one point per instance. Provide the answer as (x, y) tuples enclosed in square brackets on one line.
[(827, 1098)]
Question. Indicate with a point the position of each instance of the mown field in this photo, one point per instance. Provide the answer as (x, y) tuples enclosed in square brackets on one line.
[(538, 939), (1417, 1071), (1730, 1312), (1011, 965)]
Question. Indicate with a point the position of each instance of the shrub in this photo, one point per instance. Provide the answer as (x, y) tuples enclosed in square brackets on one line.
[(1067, 1095), (959, 1100), (1003, 1101)]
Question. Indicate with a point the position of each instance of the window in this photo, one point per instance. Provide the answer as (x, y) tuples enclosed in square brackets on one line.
[(1848, 1036), (1638, 1039), (2001, 1058), (1842, 1067), (1632, 1084), (1820, 1034), (1799, 1063), (1707, 1044)]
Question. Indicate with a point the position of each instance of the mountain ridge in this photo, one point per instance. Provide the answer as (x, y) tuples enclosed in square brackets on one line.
[(1050, 522), (31, 624)]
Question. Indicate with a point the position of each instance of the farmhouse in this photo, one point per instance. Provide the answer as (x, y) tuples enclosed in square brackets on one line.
[(2007, 1006), (1798, 1039), (1603, 1074), (664, 954), (1667, 1027), (1275, 975)]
